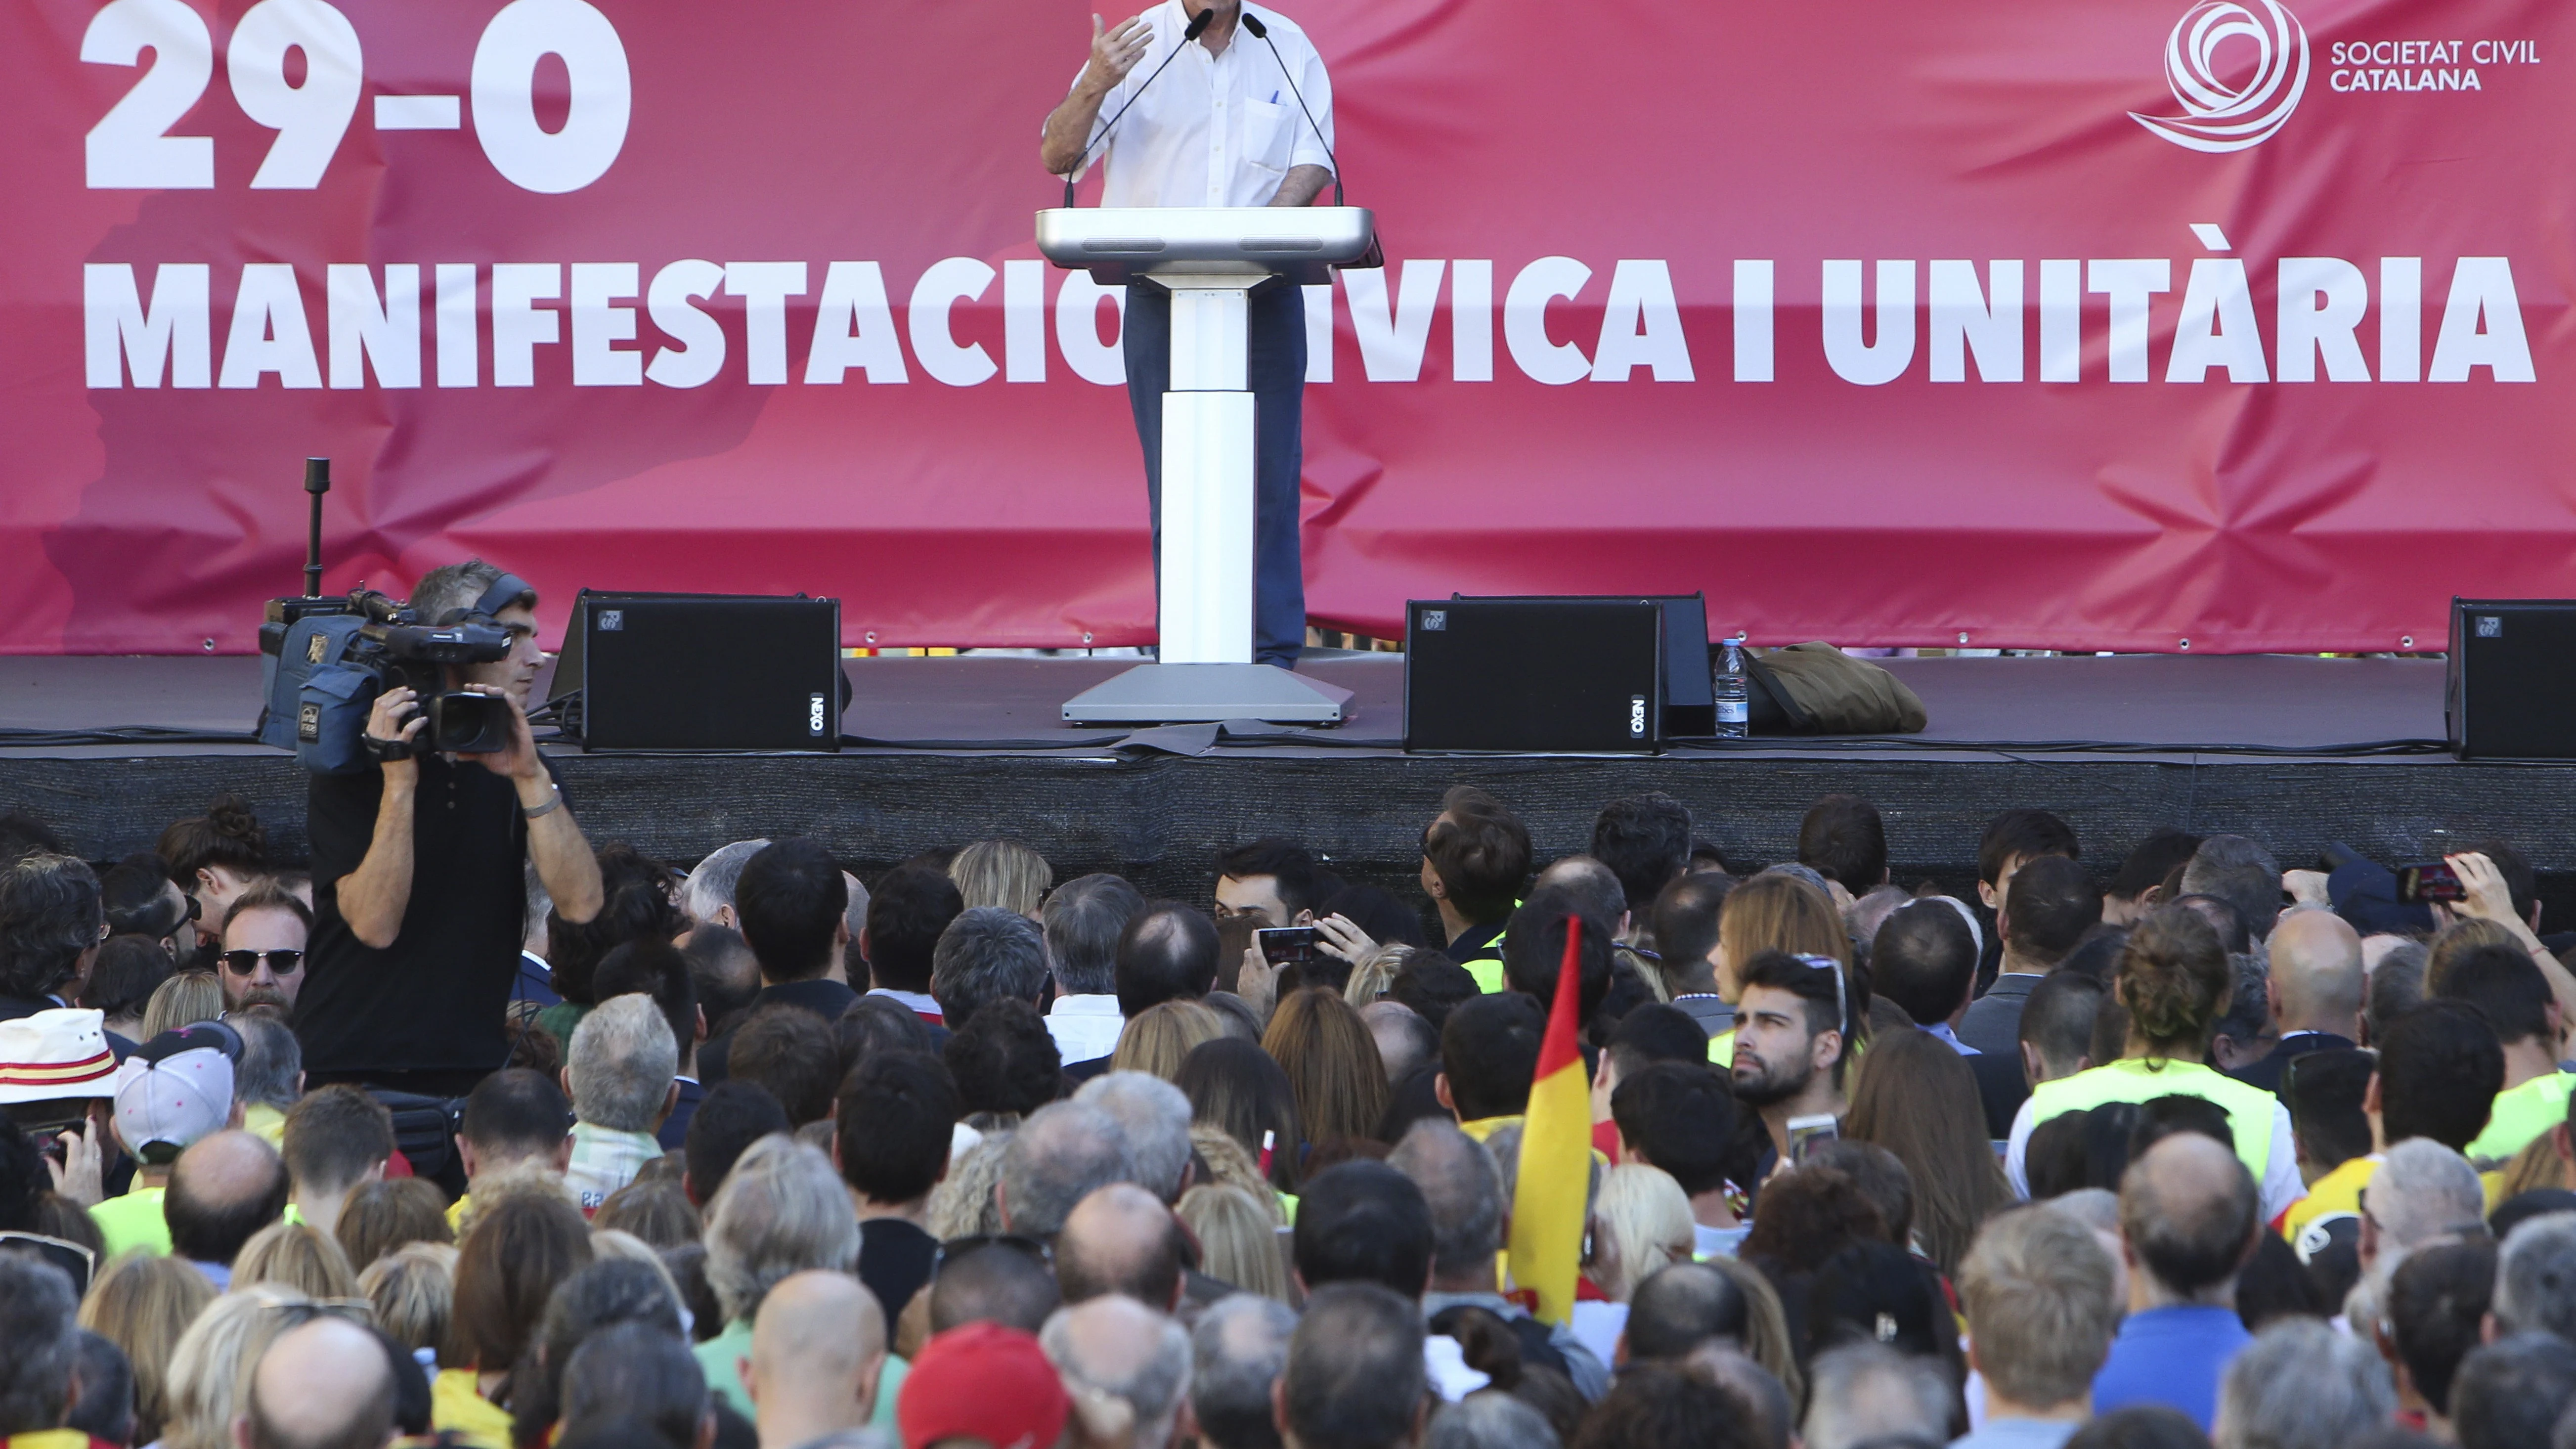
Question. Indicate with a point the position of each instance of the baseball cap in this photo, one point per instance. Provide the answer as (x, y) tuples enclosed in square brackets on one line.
[(56, 1053), (176, 1088), (983, 1381)]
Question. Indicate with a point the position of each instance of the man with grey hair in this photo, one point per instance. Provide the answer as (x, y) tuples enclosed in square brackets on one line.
[(1237, 1353), (1769, 1414), (2535, 1288), (2396, 984), (1489, 1419), (620, 1075), (36, 1307), (1597, 892), (1470, 1215), (1405, 1041), (2188, 1224), (1867, 1391), (1084, 918), (1116, 1346), (988, 953), (2037, 1288), (270, 1075), (2301, 1385), (1155, 1118), (2240, 872), (707, 895), (2422, 1193), (1121, 1240), (1062, 1152), (782, 1211), (2515, 1392)]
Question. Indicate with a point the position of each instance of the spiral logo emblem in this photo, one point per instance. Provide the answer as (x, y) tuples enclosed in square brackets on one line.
[(2218, 117)]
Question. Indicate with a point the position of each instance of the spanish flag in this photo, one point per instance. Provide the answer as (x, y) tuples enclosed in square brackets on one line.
[(1556, 1154)]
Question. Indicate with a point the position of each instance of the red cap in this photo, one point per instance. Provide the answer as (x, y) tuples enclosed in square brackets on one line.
[(983, 1381)]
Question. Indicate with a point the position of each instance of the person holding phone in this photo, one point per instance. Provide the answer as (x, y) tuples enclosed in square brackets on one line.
[(1791, 1027)]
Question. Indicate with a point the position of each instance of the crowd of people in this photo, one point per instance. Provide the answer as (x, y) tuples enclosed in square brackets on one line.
[(2193, 1151)]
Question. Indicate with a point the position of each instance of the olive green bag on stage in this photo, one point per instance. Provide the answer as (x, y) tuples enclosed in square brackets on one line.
[(1817, 689)]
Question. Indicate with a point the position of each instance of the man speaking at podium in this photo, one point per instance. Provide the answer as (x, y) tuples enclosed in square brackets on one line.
[(1225, 128)]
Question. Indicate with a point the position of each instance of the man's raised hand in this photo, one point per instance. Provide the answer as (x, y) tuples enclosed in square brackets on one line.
[(1115, 52)]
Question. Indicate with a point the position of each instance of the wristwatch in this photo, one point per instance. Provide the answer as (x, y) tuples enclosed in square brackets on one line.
[(554, 802)]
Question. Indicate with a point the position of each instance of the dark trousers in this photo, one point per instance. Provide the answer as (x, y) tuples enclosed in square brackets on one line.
[(1276, 373)]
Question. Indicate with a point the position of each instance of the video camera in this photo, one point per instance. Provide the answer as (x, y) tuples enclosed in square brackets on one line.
[(326, 658)]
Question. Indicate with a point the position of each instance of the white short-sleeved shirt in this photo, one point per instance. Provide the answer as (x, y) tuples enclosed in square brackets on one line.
[(1216, 130)]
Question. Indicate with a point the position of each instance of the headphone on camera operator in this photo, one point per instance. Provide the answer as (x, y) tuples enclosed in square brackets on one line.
[(447, 719)]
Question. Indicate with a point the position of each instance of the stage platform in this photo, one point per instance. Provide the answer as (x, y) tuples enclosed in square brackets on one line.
[(2296, 751)]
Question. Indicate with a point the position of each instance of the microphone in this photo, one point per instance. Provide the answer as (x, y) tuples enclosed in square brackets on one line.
[(1197, 26), (1261, 33)]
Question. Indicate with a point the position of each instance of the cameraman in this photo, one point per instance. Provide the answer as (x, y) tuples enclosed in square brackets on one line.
[(419, 893)]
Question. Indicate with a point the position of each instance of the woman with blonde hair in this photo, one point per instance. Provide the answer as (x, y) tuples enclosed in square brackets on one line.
[(414, 1290), (298, 1256), (1775, 911), (214, 1358), (1641, 1221), (1238, 1240), (1916, 1097), (183, 1000), (1002, 873), (1162, 1036), (1375, 971), (1332, 1064), (143, 1303)]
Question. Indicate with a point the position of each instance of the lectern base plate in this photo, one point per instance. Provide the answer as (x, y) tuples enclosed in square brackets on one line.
[(1207, 694)]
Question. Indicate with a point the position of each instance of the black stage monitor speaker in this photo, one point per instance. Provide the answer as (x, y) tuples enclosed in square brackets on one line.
[(1535, 675), (1690, 701), (704, 672), (2512, 688)]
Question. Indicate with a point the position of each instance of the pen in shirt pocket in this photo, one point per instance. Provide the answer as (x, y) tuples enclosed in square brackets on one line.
[(1274, 98)]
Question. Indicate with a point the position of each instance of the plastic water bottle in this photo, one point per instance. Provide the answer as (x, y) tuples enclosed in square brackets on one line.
[(1733, 692)]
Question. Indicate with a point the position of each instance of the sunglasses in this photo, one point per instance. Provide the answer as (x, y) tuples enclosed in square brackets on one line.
[(1842, 1003), (280, 962)]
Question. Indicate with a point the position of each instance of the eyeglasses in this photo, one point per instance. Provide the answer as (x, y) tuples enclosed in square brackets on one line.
[(1842, 1003), (961, 1247), (280, 962)]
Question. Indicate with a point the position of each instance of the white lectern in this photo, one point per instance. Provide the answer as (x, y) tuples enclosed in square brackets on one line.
[(1208, 257)]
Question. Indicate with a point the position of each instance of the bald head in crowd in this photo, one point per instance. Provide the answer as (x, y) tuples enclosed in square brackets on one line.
[(2316, 974), (223, 1189), (818, 1347), (325, 1384), (1127, 1351), (2189, 1213), (1120, 1239)]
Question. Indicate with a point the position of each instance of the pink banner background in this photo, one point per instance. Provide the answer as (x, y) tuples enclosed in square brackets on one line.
[(2239, 516)]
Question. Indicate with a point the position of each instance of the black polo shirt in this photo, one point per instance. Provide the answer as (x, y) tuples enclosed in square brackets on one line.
[(434, 1000)]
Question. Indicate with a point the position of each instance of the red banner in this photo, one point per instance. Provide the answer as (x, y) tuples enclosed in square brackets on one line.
[(2238, 325)]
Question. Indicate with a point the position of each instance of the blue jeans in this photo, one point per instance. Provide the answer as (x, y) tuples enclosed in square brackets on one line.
[(1276, 373)]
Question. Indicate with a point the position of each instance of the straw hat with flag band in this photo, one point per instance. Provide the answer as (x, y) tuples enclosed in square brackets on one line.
[(1556, 1155), (56, 1054)]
